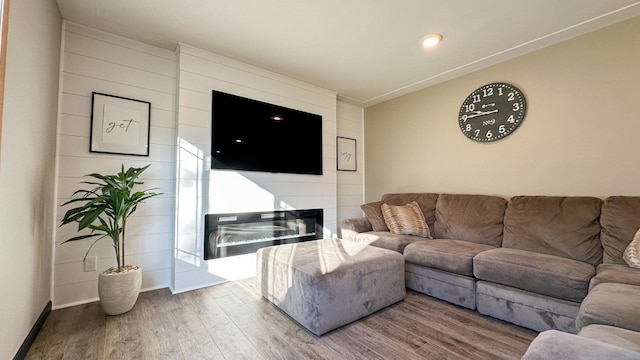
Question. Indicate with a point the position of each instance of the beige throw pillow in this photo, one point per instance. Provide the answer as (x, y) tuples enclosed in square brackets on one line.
[(406, 219), (631, 254), (373, 213)]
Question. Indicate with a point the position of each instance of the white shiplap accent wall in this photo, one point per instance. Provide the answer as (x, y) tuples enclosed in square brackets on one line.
[(202, 191), (351, 184), (166, 238), (98, 61)]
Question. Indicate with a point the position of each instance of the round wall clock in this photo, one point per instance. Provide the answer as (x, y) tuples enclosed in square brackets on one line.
[(492, 112)]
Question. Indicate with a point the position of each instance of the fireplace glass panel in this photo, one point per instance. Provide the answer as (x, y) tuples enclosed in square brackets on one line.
[(244, 233)]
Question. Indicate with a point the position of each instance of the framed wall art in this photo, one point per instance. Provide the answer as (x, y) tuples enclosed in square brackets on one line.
[(346, 154), (119, 125)]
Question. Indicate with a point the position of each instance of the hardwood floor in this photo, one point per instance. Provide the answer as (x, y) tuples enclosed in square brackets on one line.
[(231, 321)]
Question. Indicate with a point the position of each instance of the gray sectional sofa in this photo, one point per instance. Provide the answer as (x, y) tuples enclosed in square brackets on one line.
[(541, 262)]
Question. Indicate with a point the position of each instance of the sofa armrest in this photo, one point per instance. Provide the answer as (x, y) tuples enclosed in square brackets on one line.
[(351, 227)]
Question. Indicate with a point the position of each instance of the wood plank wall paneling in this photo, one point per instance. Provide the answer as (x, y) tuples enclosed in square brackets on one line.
[(207, 191), (350, 193), (102, 62), (179, 85)]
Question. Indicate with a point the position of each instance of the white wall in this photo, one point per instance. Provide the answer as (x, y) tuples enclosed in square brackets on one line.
[(580, 135), (202, 191), (351, 184), (105, 63), (27, 168)]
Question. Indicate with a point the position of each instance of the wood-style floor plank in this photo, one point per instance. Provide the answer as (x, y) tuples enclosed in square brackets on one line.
[(270, 344), (452, 334), (231, 321), (83, 345), (307, 344), (194, 339), (231, 341), (124, 337)]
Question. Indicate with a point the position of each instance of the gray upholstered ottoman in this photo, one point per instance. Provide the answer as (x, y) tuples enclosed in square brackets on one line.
[(324, 284)]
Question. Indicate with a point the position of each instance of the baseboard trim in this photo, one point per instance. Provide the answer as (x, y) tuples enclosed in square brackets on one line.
[(24, 349)]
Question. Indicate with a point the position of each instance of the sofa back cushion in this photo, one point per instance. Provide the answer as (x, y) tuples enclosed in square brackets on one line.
[(560, 226), (476, 218), (373, 212), (426, 202), (620, 221)]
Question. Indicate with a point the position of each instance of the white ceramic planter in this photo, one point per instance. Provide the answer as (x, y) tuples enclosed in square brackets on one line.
[(119, 291)]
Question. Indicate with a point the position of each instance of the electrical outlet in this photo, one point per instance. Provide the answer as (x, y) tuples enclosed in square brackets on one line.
[(91, 263)]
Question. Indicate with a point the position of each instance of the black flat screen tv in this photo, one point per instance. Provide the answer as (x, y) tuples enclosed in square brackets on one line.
[(252, 135)]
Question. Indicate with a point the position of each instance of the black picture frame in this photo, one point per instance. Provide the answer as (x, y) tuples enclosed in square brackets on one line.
[(346, 154), (119, 125)]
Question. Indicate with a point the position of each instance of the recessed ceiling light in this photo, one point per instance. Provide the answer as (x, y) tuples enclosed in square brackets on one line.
[(431, 40)]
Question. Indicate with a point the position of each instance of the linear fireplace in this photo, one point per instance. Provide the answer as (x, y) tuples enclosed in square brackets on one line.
[(243, 233)]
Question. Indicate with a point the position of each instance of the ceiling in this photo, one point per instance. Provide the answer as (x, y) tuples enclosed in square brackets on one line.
[(367, 51)]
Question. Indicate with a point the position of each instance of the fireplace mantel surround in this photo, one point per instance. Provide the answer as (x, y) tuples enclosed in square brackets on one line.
[(201, 190)]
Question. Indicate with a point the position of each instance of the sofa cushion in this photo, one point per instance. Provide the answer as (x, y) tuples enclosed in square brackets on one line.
[(560, 226), (554, 344), (544, 274), (387, 240), (373, 213), (611, 304), (620, 220), (612, 335), (406, 219), (631, 254), (614, 273), (454, 256), (476, 218), (426, 201)]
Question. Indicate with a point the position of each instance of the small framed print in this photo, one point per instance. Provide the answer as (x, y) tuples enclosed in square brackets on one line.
[(119, 125), (346, 154)]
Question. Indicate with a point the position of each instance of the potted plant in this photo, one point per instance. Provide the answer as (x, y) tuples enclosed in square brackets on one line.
[(105, 210)]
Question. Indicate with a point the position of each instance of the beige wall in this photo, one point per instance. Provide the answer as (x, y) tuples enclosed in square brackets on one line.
[(580, 136), (27, 168)]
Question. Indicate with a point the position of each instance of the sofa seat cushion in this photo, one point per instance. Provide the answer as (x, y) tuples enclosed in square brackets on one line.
[(615, 273), (612, 335), (544, 274), (454, 256), (475, 218), (554, 225), (611, 304), (387, 240), (554, 344)]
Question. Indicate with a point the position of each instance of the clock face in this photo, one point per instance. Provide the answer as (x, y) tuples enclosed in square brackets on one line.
[(492, 112)]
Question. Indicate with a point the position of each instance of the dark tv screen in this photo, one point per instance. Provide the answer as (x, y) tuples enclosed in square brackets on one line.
[(252, 135)]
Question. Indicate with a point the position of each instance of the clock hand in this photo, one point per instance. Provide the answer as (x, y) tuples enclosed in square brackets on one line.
[(478, 113)]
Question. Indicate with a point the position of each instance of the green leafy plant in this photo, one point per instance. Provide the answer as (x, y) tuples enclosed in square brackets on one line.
[(105, 208)]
